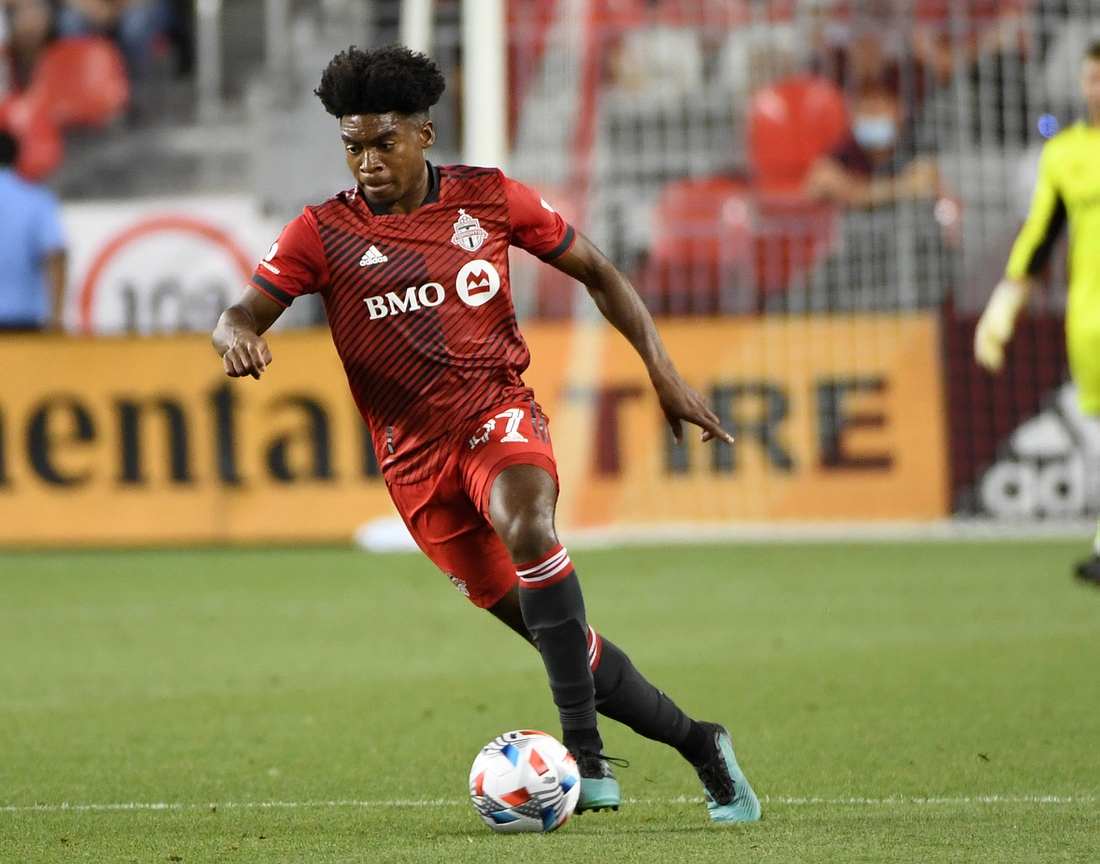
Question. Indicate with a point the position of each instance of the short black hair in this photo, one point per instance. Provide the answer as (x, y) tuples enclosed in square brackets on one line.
[(1093, 52), (9, 149), (391, 78)]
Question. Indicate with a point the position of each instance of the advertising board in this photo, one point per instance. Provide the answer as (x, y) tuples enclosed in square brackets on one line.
[(144, 440)]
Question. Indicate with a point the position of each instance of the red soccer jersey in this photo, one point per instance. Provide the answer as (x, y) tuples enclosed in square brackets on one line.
[(420, 305)]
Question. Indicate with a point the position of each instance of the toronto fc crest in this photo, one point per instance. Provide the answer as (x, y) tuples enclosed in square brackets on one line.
[(468, 232)]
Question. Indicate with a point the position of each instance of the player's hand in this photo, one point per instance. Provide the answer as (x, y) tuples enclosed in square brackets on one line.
[(248, 354), (680, 401), (997, 323)]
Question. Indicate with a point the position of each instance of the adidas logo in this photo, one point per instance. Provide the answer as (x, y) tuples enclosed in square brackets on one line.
[(372, 256)]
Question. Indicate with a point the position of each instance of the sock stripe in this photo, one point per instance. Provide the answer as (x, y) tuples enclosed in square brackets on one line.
[(552, 567), (551, 559), (595, 649)]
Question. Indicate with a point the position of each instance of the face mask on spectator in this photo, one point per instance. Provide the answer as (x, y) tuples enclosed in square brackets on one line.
[(875, 132)]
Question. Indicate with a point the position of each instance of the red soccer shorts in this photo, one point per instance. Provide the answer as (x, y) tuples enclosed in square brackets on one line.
[(448, 514)]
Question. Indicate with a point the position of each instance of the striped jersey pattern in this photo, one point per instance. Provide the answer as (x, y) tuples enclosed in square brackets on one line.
[(419, 306)]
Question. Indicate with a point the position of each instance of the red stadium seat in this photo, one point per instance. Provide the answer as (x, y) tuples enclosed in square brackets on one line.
[(688, 215), (791, 124), (82, 81), (40, 146), (701, 246), (720, 236), (791, 236)]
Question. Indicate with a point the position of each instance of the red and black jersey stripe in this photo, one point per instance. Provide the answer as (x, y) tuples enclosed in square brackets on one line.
[(422, 369)]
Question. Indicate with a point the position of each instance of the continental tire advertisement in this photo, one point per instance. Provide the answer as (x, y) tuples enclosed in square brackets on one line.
[(144, 440)]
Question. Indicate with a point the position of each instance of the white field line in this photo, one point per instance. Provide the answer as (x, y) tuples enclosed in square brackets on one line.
[(945, 530), (892, 801)]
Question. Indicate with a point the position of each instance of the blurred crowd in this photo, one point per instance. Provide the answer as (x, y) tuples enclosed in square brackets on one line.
[(139, 29), (883, 57), (836, 117), (848, 104)]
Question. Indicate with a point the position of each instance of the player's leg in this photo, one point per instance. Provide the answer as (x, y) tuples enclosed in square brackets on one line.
[(522, 499), (624, 694), (1083, 349)]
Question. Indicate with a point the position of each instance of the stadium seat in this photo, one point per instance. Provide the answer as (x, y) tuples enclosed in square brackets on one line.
[(720, 237), (792, 123), (82, 82), (700, 246), (791, 236), (40, 146)]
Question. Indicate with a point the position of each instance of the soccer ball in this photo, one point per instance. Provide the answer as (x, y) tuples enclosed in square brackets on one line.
[(524, 781)]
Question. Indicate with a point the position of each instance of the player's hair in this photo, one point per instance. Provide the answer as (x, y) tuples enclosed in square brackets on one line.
[(391, 78), (9, 150), (1093, 51)]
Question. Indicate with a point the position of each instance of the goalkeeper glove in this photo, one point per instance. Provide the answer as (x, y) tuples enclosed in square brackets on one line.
[(997, 323)]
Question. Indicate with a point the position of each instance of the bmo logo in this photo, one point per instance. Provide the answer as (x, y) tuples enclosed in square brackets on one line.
[(414, 299), (477, 282)]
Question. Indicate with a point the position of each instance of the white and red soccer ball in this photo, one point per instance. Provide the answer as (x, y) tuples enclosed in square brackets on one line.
[(524, 781)]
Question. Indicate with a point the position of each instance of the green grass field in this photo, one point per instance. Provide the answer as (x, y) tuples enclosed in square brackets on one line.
[(899, 702)]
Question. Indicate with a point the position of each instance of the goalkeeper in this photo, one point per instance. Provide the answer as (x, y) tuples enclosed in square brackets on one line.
[(1068, 190)]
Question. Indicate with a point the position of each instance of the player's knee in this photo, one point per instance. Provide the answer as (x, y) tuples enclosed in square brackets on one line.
[(521, 506), (527, 534)]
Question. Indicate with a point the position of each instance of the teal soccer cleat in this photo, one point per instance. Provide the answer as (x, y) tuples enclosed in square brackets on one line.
[(599, 788), (729, 796)]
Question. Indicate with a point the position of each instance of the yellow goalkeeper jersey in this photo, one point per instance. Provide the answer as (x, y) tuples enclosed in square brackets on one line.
[(1068, 190)]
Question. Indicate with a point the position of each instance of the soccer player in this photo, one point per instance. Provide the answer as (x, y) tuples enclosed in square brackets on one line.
[(1068, 189), (412, 266)]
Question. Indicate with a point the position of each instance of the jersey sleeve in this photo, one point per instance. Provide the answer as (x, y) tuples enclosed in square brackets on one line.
[(536, 226), (1045, 221), (295, 264)]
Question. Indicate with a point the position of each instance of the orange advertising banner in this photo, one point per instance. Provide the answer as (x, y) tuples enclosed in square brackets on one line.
[(144, 441)]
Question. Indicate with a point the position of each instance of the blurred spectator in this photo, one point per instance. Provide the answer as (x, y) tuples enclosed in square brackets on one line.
[(854, 55), (134, 24), (32, 251), (659, 59), (30, 25), (870, 168), (756, 55), (914, 50)]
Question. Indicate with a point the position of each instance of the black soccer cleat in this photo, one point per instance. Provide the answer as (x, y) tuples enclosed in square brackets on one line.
[(1089, 570), (729, 796), (599, 788)]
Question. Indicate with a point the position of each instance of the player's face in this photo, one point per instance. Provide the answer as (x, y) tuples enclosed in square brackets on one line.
[(1090, 87), (385, 153)]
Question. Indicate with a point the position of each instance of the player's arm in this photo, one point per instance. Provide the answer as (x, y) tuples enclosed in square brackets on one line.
[(294, 265), (1030, 254), (620, 304), (238, 338)]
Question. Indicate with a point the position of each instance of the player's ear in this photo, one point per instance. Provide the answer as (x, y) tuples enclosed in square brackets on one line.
[(427, 134)]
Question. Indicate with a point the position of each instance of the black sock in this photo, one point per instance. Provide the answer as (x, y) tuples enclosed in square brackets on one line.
[(624, 695), (554, 615), (577, 740), (699, 747)]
